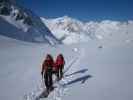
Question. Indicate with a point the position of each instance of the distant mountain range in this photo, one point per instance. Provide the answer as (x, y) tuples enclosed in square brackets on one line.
[(70, 30)]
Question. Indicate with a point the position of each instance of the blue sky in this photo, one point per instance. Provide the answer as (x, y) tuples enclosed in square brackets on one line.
[(85, 10)]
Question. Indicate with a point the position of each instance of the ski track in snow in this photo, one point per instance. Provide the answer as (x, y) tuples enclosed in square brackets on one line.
[(60, 89)]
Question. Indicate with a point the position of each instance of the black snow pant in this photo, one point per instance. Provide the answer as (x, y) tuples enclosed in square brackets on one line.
[(48, 79), (60, 73)]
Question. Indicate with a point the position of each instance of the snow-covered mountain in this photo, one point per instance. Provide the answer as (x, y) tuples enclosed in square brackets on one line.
[(67, 30), (22, 24), (70, 30)]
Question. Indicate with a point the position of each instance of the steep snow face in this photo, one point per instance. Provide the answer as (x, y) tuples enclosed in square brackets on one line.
[(71, 30), (20, 23), (67, 30)]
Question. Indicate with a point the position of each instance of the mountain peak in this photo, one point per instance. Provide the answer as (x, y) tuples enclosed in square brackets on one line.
[(66, 17), (23, 24)]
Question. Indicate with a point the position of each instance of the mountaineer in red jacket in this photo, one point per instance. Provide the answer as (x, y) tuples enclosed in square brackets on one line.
[(59, 66), (46, 72)]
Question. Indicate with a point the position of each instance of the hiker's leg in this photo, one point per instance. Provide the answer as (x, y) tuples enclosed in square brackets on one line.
[(46, 80), (51, 78), (57, 73), (61, 72)]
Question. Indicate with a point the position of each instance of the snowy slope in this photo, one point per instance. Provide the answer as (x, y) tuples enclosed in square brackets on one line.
[(21, 65), (92, 72), (22, 24), (70, 30)]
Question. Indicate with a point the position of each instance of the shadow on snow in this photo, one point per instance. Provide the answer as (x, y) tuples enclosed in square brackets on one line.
[(77, 72), (81, 79)]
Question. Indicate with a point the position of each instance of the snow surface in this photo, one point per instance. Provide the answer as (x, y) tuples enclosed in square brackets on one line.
[(90, 72)]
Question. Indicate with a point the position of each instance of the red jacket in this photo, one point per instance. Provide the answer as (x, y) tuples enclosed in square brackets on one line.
[(47, 64), (59, 62)]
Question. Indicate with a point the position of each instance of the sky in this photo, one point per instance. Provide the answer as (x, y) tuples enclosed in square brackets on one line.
[(85, 10)]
